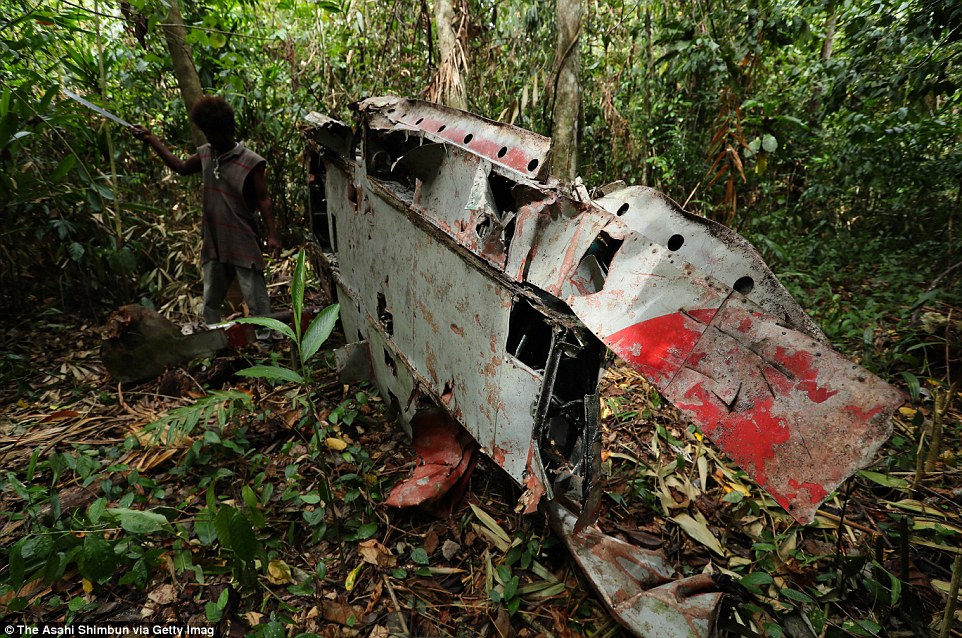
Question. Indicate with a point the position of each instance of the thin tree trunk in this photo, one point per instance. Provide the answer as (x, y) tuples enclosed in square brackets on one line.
[(566, 116), (646, 146), (180, 54), (829, 41), (448, 85)]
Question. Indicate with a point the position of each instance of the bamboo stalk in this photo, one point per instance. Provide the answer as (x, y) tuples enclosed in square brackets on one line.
[(949, 616), (935, 444), (117, 215)]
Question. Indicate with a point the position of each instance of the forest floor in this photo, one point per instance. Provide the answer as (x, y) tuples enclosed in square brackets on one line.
[(223, 523)]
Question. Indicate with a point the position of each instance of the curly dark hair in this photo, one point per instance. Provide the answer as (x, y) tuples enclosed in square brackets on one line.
[(212, 114)]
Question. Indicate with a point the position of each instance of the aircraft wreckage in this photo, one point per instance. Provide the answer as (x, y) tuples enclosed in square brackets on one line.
[(472, 281)]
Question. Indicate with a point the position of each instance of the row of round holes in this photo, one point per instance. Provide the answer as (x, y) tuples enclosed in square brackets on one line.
[(744, 285), (532, 165)]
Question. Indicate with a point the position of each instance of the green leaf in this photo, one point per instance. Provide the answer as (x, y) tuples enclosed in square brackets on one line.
[(213, 612), (272, 373), (64, 167), (97, 562), (318, 332), (76, 251), (297, 292), (96, 510), (17, 565), (242, 538), (267, 322), (250, 499), (754, 581), (733, 497), (511, 588), (915, 387), (138, 521), (222, 525), (56, 566), (797, 596), (367, 530), (885, 479), (419, 556)]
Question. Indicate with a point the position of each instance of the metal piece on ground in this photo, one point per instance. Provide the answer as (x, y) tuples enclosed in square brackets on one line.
[(637, 585), (483, 286), (446, 456), (139, 343)]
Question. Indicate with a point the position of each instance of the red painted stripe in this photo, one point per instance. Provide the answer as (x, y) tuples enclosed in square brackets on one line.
[(657, 347)]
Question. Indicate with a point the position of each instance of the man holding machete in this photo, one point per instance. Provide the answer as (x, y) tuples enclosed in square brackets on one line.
[(234, 187)]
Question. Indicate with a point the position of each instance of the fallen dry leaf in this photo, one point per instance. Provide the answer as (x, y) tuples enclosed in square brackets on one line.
[(341, 613), (279, 573), (375, 553), (163, 595)]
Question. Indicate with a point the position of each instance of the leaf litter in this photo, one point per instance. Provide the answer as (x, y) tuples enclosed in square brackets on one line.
[(877, 560)]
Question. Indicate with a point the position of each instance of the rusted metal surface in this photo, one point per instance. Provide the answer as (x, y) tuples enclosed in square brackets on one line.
[(139, 343), (446, 457), (639, 586), (483, 286)]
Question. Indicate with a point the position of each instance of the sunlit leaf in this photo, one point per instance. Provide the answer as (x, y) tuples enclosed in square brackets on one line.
[(271, 373), (699, 531), (885, 479), (318, 332), (351, 581), (267, 322), (138, 521), (769, 143)]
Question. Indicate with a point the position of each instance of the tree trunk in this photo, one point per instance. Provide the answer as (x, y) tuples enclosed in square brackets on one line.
[(448, 84), (566, 115), (180, 54), (646, 146), (829, 41)]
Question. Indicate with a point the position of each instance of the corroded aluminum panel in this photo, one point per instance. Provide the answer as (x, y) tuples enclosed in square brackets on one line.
[(426, 309), (502, 144), (638, 586), (794, 414), (652, 309), (566, 233), (456, 197), (710, 247)]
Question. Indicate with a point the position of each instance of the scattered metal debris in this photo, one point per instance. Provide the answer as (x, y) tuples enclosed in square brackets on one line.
[(446, 455), (481, 285), (139, 343)]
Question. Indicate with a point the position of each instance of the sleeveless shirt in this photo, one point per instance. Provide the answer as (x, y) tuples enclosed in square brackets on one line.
[(229, 225)]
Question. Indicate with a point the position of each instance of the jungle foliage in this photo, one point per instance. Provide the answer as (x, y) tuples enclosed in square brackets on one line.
[(803, 125), (829, 133)]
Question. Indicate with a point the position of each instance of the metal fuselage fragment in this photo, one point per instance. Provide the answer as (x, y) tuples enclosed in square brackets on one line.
[(480, 285)]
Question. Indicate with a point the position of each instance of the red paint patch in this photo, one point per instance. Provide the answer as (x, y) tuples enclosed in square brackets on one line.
[(750, 437), (657, 347), (800, 364), (696, 357), (704, 315), (816, 492)]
